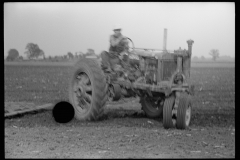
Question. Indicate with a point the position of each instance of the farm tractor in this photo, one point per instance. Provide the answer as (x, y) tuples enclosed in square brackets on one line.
[(160, 78)]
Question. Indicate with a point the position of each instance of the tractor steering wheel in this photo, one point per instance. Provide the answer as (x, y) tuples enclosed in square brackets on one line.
[(133, 47)]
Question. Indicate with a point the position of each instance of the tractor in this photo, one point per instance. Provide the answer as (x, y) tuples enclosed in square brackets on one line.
[(159, 78)]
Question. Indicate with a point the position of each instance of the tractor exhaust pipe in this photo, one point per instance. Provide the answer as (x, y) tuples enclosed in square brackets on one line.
[(165, 40), (187, 61), (190, 42)]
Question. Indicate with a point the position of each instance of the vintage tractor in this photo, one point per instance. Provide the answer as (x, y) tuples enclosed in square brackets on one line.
[(160, 78)]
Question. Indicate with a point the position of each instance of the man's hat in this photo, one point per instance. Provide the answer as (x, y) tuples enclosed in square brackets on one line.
[(117, 26)]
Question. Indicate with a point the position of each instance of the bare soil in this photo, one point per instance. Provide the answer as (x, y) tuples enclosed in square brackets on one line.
[(123, 132)]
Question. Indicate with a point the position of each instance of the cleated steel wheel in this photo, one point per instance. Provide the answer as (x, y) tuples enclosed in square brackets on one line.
[(168, 120), (87, 90), (184, 111)]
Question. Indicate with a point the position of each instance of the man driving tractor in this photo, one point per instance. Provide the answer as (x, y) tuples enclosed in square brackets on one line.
[(118, 50)]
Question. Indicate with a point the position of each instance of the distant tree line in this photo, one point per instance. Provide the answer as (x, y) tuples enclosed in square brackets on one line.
[(70, 56), (34, 52), (196, 58), (12, 55), (214, 53)]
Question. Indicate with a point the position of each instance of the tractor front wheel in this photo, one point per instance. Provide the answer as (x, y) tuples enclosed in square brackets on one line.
[(184, 111), (167, 112)]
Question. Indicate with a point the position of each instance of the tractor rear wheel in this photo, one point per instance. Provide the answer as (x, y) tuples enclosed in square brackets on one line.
[(184, 111), (167, 112), (87, 90)]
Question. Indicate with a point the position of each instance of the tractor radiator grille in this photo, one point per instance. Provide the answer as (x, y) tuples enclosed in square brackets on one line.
[(168, 68)]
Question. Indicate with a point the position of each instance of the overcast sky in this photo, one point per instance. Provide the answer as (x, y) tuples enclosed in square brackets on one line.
[(64, 27)]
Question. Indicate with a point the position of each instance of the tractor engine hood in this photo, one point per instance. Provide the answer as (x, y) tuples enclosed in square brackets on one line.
[(149, 53)]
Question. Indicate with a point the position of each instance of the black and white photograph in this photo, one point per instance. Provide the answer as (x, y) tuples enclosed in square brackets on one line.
[(119, 80)]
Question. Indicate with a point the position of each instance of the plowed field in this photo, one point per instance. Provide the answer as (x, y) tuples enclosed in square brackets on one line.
[(124, 131)]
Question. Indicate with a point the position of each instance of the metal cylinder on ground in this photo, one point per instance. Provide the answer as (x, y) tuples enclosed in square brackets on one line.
[(63, 112)]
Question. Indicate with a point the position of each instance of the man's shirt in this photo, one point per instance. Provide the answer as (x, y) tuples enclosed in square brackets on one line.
[(118, 46)]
